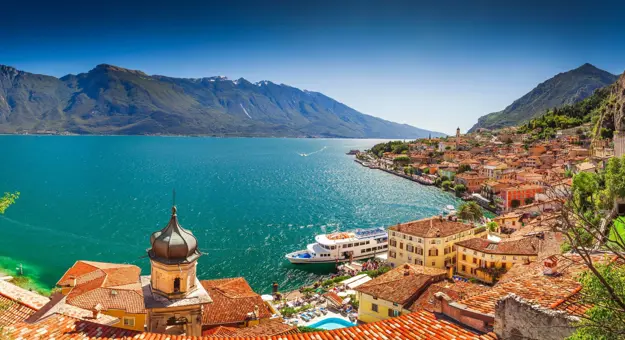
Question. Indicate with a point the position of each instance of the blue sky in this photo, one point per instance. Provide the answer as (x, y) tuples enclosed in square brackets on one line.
[(435, 64)]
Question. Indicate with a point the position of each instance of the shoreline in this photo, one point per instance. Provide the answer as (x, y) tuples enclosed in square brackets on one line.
[(29, 282), (201, 136), (416, 181)]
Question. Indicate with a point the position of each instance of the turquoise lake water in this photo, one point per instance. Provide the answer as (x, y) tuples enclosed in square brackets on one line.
[(248, 201)]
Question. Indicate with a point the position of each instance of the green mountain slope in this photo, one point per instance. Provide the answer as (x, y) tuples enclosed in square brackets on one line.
[(113, 100), (563, 89)]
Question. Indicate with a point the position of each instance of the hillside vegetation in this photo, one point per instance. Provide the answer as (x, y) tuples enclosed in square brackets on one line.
[(563, 89)]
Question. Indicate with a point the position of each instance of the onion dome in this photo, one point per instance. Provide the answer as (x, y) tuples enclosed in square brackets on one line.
[(173, 244)]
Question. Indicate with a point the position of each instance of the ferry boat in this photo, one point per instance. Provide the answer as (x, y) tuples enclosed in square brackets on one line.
[(343, 246)]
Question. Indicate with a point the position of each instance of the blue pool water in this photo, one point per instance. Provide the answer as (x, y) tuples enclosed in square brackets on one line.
[(332, 323)]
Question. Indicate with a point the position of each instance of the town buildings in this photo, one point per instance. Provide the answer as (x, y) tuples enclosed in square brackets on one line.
[(429, 242), (392, 294), (486, 260)]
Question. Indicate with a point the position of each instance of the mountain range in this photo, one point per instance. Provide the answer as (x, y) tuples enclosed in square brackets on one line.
[(564, 88), (114, 100)]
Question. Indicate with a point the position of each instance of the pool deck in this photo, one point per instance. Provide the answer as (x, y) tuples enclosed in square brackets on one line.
[(323, 317)]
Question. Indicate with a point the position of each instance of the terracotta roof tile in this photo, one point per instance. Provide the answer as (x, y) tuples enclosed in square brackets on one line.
[(233, 299), (418, 325), (114, 286), (432, 227), (521, 246), (400, 285), (530, 283), (12, 312)]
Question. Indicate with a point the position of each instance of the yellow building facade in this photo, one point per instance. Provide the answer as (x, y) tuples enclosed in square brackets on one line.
[(372, 309), (487, 261), (391, 294), (127, 320), (429, 242)]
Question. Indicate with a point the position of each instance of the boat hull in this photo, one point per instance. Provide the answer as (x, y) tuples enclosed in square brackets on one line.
[(312, 260)]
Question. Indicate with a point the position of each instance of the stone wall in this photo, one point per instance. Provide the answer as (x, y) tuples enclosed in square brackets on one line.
[(516, 319)]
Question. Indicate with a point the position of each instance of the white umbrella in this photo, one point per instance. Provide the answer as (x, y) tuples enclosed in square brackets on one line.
[(342, 294), (267, 297), (346, 301), (350, 292)]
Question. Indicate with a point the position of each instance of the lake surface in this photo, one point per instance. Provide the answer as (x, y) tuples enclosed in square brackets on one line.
[(248, 201)]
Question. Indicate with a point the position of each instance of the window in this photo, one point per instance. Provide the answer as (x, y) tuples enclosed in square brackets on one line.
[(393, 313), (368, 250), (401, 245), (393, 233), (367, 242), (410, 238), (333, 247), (129, 322), (464, 258), (474, 260), (362, 251), (438, 241), (503, 257), (409, 258), (176, 285), (433, 263), (350, 245), (345, 246), (374, 307), (464, 268)]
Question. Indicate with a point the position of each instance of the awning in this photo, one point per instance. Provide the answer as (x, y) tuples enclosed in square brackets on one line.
[(359, 282), (353, 279)]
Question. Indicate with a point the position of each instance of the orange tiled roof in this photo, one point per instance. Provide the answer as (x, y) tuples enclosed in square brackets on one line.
[(456, 290), (114, 286), (12, 312), (522, 246), (233, 299), (529, 283), (272, 327), (419, 325), (432, 227), (400, 285)]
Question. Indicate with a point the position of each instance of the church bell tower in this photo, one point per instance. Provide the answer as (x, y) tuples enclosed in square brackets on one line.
[(172, 294)]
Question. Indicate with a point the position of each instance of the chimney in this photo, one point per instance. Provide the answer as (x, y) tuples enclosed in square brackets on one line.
[(256, 311), (96, 311), (406, 270), (549, 265)]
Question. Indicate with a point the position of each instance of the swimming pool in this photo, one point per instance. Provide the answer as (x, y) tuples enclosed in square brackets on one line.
[(331, 323)]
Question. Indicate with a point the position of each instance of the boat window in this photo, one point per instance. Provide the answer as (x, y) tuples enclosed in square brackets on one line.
[(367, 242), (368, 249), (362, 251), (345, 246), (333, 247), (350, 245)]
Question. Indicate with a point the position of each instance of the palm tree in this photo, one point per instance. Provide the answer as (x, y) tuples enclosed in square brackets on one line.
[(470, 211)]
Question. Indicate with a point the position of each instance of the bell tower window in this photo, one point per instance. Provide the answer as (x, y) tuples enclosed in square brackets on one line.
[(177, 285)]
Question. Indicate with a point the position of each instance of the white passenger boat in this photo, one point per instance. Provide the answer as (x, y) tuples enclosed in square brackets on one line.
[(343, 246)]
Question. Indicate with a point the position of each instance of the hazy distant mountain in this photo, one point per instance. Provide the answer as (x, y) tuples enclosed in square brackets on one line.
[(114, 100), (565, 88)]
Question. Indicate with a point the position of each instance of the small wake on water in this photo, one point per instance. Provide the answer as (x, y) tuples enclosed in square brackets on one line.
[(312, 153)]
